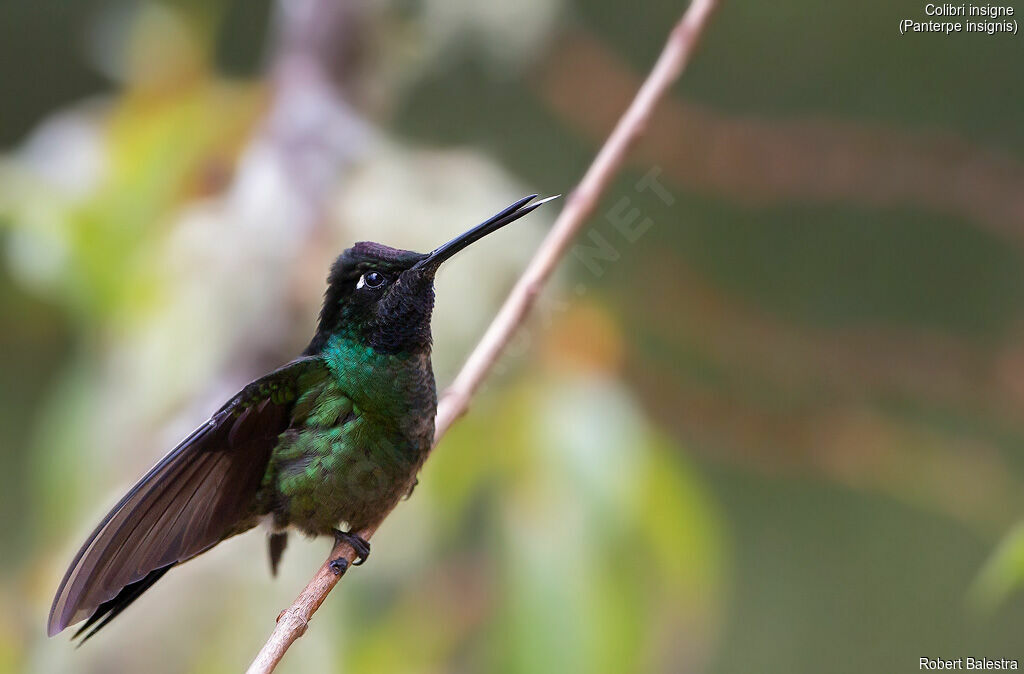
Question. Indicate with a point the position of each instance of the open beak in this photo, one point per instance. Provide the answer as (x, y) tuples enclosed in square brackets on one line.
[(517, 210)]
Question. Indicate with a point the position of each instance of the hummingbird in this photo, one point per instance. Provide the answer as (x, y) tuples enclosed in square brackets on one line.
[(336, 436)]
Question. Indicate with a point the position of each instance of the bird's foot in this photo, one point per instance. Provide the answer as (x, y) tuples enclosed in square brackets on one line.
[(358, 543), (338, 566)]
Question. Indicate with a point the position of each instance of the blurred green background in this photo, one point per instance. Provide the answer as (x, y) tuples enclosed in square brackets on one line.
[(772, 424)]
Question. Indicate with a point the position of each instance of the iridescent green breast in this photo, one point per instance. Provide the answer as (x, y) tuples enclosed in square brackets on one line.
[(394, 388), (356, 440)]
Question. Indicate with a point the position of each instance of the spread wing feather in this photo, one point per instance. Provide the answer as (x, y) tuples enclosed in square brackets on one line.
[(194, 497)]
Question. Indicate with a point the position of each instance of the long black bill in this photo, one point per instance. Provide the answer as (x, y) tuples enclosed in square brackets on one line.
[(493, 224)]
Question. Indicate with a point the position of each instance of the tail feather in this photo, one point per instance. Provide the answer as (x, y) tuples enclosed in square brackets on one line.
[(277, 544)]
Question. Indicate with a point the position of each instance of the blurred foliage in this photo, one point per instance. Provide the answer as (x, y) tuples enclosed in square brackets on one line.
[(631, 563), (778, 431), (1003, 573)]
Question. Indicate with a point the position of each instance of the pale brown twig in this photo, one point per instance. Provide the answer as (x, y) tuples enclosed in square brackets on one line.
[(293, 621)]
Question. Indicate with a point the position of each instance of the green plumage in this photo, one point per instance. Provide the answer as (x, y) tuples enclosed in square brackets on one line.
[(350, 456)]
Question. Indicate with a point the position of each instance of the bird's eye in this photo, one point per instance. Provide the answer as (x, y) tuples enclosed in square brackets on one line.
[(371, 279)]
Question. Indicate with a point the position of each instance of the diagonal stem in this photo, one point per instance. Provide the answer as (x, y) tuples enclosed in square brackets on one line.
[(293, 621)]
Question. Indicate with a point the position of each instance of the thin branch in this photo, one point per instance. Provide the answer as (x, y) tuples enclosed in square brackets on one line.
[(293, 621)]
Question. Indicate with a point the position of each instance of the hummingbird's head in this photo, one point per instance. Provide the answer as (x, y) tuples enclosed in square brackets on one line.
[(383, 297)]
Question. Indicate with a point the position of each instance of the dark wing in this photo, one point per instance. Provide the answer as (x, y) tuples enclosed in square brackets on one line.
[(189, 501)]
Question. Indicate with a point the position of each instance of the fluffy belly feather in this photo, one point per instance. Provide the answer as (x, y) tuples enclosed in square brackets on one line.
[(348, 473)]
